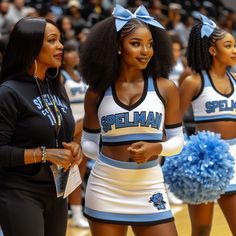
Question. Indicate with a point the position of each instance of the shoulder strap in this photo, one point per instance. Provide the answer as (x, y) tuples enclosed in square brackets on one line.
[(66, 75)]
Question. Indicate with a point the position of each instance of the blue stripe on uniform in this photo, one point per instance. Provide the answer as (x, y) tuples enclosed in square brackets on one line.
[(128, 217), (230, 141), (231, 188), (216, 117), (127, 165), (108, 92), (207, 82), (133, 137), (150, 84)]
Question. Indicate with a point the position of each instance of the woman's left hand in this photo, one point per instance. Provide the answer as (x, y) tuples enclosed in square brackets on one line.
[(76, 152), (142, 151)]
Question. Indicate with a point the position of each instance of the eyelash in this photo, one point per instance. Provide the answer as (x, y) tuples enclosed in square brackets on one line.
[(51, 40), (136, 44)]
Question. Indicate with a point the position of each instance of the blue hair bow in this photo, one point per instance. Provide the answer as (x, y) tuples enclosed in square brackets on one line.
[(207, 27), (123, 15)]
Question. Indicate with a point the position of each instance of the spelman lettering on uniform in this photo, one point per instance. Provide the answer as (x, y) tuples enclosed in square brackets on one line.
[(122, 120), (143, 120), (211, 105), (222, 105)]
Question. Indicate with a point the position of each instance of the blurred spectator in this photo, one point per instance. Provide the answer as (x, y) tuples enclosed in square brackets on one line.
[(180, 62), (179, 72), (155, 9), (109, 4), (46, 12), (66, 28), (17, 10), (174, 15), (81, 36), (228, 22), (183, 28), (57, 8), (74, 13), (5, 24), (94, 12), (74, 85), (179, 22)]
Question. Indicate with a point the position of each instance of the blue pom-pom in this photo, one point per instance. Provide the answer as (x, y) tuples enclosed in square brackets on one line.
[(202, 171)]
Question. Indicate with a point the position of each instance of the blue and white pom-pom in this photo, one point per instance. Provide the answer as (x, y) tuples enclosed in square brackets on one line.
[(202, 171)]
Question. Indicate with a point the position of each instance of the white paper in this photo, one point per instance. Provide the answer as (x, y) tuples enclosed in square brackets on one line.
[(60, 179), (73, 181)]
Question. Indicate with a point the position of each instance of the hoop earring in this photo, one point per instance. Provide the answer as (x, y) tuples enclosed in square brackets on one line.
[(36, 68), (52, 77)]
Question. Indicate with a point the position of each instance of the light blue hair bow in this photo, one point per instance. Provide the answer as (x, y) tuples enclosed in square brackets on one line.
[(207, 27), (123, 15)]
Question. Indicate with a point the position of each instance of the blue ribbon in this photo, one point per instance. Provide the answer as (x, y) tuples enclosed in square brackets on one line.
[(208, 26), (123, 15)]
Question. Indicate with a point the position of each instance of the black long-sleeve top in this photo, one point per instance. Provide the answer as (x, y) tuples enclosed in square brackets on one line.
[(26, 123)]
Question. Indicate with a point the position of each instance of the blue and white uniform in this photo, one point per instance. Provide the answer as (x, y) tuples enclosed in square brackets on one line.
[(177, 70), (127, 192), (76, 93), (210, 106), (122, 124)]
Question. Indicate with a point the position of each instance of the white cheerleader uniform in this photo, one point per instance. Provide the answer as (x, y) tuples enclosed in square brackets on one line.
[(126, 192), (211, 105), (76, 93)]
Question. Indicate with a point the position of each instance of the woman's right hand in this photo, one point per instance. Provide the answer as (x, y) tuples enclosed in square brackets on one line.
[(61, 157), (141, 151)]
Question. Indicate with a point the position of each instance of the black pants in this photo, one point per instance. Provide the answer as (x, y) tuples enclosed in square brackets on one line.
[(29, 214)]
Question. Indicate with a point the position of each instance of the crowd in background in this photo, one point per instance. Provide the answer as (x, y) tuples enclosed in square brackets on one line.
[(75, 18)]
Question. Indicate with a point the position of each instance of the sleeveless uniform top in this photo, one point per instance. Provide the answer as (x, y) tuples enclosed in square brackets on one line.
[(177, 70), (211, 105), (122, 124), (76, 93)]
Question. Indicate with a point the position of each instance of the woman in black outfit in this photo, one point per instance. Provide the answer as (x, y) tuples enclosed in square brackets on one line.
[(36, 129)]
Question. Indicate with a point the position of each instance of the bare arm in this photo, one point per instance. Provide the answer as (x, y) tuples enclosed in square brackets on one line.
[(65, 157), (170, 94), (143, 151), (90, 107), (189, 88), (184, 74)]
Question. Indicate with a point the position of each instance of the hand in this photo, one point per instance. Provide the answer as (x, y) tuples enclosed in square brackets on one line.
[(60, 156), (76, 152), (142, 151)]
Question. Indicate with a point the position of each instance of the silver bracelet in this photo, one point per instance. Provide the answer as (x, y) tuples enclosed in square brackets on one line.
[(43, 154)]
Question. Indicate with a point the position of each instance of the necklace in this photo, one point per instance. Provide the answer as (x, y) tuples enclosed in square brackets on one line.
[(55, 113)]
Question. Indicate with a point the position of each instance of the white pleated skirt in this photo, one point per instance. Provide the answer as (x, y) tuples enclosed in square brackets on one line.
[(127, 193), (232, 185)]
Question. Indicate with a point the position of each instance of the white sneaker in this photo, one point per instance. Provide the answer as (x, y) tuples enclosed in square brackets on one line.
[(173, 199), (80, 222)]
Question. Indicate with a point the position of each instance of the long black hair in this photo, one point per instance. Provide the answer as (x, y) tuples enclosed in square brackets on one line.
[(198, 55), (100, 61), (25, 43)]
